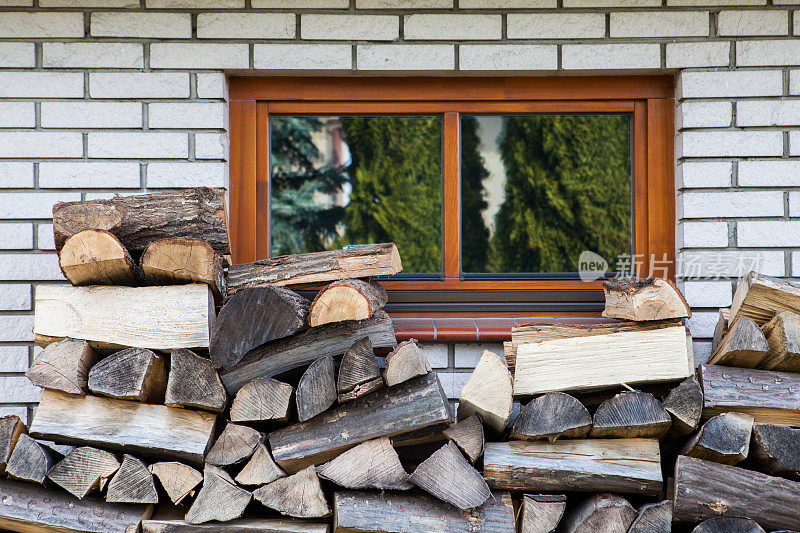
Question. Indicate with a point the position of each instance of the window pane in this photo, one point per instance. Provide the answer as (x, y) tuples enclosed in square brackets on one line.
[(341, 180), (537, 190)]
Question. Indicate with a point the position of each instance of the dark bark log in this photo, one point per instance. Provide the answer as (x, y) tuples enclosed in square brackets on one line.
[(373, 464), (30, 461), (685, 404), (11, 427), (448, 476), (243, 525), (219, 499), (64, 366), (299, 495), (551, 416), (541, 513), (193, 382), (179, 480), (96, 257), (468, 436), (653, 518), (359, 373), (132, 374), (405, 362), (316, 390), (643, 299), (260, 469), (178, 260), (608, 513), (133, 483), (236, 444), (262, 400), (728, 524), (723, 439), (776, 450), (760, 297), (744, 346), (721, 328), (783, 336), (349, 299), (84, 470), (630, 415), (488, 392)]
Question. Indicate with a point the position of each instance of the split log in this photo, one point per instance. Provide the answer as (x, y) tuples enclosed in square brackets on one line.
[(405, 362), (721, 328), (783, 336), (653, 518), (236, 444), (129, 427), (760, 297), (643, 299), (468, 436), (260, 469), (178, 260), (605, 360), (11, 427), (179, 480), (728, 524), (299, 495), (243, 525), (551, 416), (219, 499), (85, 469), (397, 512), (193, 382), (30, 460), (775, 450), (608, 513), (133, 483), (97, 257), (28, 508), (631, 414), (628, 466), (704, 489), (316, 390), (134, 374), (448, 476), (359, 373), (684, 403), (318, 267), (159, 318), (253, 317), (723, 439), (410, 406), (304, 348), (349, 299), (262, 400), (488, 392), (141, 219), (541, 513), (373, 464), (64, 366), (744, 346)]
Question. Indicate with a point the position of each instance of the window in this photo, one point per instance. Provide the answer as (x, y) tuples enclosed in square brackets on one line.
[(492, 188)]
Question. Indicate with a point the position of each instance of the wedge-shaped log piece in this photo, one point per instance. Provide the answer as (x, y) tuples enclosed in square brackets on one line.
[(253, 317), (177, 260), (468, 436), (349, 299), (776, 450), (262, 400), (318, 267), (551, 416), (179, 480), (744, 346), (723, 439), (653, 518), (405, 362), (260, 469), (629, 466), (580, 363), (11, 427), (64, 365), (704, 489), (684, 403), (728, 524), (316, 390), (643, 299), (783, 336), (541, 513), (631, 414), (410, 406), (83, 470), (97, 257), (219, 499), (304, 348), (760, 297), (159, 318), (447, 475), (398, 512), (193, 382), (133, 483), (242, 525), (298, 495), (30, 460), (371, 465), (721, 328), (132, 374), (236, 444), (601, 512), (153, 430), (488, 392), (141, 219), (359, 373)]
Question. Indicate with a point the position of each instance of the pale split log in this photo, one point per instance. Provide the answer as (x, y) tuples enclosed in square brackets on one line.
[(219, 498), (550, 416), (63, 365), (488, 392), (135, 374), (179, 480), (133, 483), (684, 403), (653, 518), (744, 346), (236, 444), (541, 513), (11, 427), (643, 299), (299, 495), (631, 414), (359, 373), (759, 297), (783, 336), (608, 513), (262, 400), (193, 382), (405, 362), (316, 390), (83, 470), (728, 524), (447, 475), (349, 299), (468, 436), (241, 525), (723, 439), (260, 468), (30, 460), (97, 257), (373, 464), (721, 328), (776, 450), (177, 260)]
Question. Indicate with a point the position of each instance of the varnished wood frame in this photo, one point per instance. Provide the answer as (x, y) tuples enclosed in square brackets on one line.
[(648, 98)]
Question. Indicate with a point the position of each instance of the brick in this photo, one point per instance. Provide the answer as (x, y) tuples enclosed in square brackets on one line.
[(89, 3), (18, 389), (731, 143), (698, 54), (612, 3), (44, 237), (210, 146), (138, 85), (17, 114), (194, 4), (436, 352), (404, 4), (452, 27), (716, 2), (168, 175), (702, 323), (764, 53), (147, 145), (405, 57), (199, 55), (468, 354), (30, 267), (15, 297), (796, 264), (20, 410), (708, 293), (794, 143), (750, 22), (41, 144), (14, 358), (732, 204), (507, 57), (41, 85), (302, 56), (705, 114), (721, 84), (211, 85), (703, 234), (772, 233), (92, 55), (350, 27), (40, 24), (794, 204), (32, 204), (702, 351), (81, 114), (729, 263), (300, 4), (768, 113), (19, 55), (16, 175), (246, 26), (88, 175), (769, 173), (610, 56), (660, 24), (506, 4), (705, 174), (187, 115), (556, 25), (16, 236), (453, 382), (142, 25), (15, 3)]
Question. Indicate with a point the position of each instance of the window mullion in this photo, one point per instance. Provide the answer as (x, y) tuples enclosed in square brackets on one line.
[(451, 210)]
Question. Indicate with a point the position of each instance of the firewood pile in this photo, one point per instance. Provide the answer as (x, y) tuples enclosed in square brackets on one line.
[(185, 394)]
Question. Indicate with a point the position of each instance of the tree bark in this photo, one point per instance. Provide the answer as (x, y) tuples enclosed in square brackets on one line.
[(235, 445), (194, 383), (63, 366), (178, 260), (262, 400), (179, 480), (316, 390), (743, 345), (551, 416), (684, 403), (775, 448), (299, 495), (348, 299), (243, 525), (85, 469), (96, 257), (541, 513), (135, 374), (783, 336), (630, 415), (133, 483), (721, 328), (219, 499), (723, 439), (468, 436), (359, 373), (11, 427), (405, 362), (608, 513), (448, 476), (643, 299), (373, 464), (488, 392), (30, 460), (260, 469)]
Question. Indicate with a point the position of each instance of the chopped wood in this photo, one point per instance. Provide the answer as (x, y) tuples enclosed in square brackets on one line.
[(133, 483), (157, 431), (253, 317), (318, 267), (728, 524), (631, 414), (580, 363), (775, 449), (134, 374), (468, 436), (541, 513), (179, 480), (141, 219), (219, 498), (236, 444), (684, 403), (299, 495), (316, 390), (64, 366), (85, 469), (348, 299), (551, 416), (488, 392), (653, 518), (30, 460), (304, 348), (177, 260), (744, 346), (260, 469), (242, 525), (373, 464), (410, 406), (262, 400), (447, 475), (11, 427), (359, 373), (97, 257), (405, 362), (159, 318), (608, 513), (721, 328), (193, 382), (783, 336), (723, 439), (630, 466), (759, 297), (643, 299)]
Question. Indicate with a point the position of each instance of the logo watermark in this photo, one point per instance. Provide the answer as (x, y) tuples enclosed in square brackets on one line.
[(694, 265)]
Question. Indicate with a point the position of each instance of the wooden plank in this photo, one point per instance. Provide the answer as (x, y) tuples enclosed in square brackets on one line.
[(242, 525), (760, 297)]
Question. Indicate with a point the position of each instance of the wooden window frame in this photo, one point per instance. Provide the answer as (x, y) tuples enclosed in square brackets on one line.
[(649, 99)]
